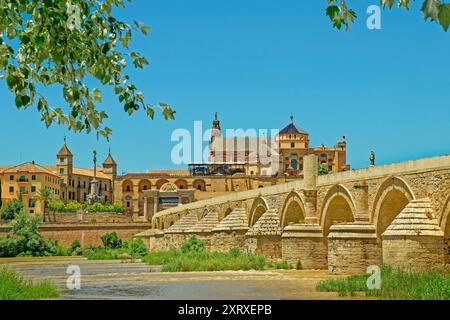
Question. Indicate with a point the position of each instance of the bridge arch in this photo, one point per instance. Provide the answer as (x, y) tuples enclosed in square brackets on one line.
[(293, 210), (339, 207), (392, 197), (259, 207)]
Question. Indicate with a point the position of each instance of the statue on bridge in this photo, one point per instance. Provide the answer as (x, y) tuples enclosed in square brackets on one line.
[(372, 158)]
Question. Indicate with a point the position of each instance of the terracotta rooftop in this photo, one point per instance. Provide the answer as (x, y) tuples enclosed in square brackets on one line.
[(28, 167), (89, 172)]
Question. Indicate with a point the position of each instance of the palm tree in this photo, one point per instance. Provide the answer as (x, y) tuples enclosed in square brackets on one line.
[(44, 196)]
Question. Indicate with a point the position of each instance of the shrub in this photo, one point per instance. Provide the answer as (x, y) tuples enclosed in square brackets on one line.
[(137, 248), (72, 206), (193, 244), (75, 245), (27, 241), (100, 253), (111, 240), (56, 206), (299, 265), (11, 209), (100, 207), (279, 265), (193, 257)]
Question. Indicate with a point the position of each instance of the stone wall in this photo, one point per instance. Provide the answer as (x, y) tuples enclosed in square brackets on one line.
[(86, 234), (311, 252), (225, 241), (88, 217), (268, 246)]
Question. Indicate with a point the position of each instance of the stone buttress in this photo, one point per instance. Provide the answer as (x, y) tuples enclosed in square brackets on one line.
[(230, 232), (203, 229), (176, 234), (264, 237), (414, 240)]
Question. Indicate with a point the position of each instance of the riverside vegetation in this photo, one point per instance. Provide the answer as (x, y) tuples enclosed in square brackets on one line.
[(192, 256), (15, 287), (395, 284)]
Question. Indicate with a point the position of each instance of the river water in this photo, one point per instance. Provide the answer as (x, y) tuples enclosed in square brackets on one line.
[(122, 280)]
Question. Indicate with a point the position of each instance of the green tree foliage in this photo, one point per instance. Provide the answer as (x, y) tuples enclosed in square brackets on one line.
[(68, 45), (340, 15), (74, 206), (25, 239), (111, 240), (11, 209)]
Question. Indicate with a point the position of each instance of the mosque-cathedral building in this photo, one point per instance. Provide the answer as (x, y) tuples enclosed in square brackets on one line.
[(234, 164)]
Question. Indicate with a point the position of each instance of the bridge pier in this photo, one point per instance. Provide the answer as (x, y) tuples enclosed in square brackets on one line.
[(304, 243), (352, 248)]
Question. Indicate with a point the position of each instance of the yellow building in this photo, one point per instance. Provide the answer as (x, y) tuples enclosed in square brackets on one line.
[(67, 183), (25, 180)]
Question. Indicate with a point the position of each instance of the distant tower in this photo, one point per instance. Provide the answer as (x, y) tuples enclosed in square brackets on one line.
[(216, 131), (216, 140), (110, 167), (64, 163)]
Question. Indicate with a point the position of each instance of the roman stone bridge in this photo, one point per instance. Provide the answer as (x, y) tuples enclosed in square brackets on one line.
[(397, 214)]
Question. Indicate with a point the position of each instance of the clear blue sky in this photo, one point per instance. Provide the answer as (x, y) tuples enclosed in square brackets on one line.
[(255, 62)]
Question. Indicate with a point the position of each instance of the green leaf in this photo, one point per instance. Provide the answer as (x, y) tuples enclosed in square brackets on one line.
[(18, 101), (332, 11), (430, 9), (444, 15)]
